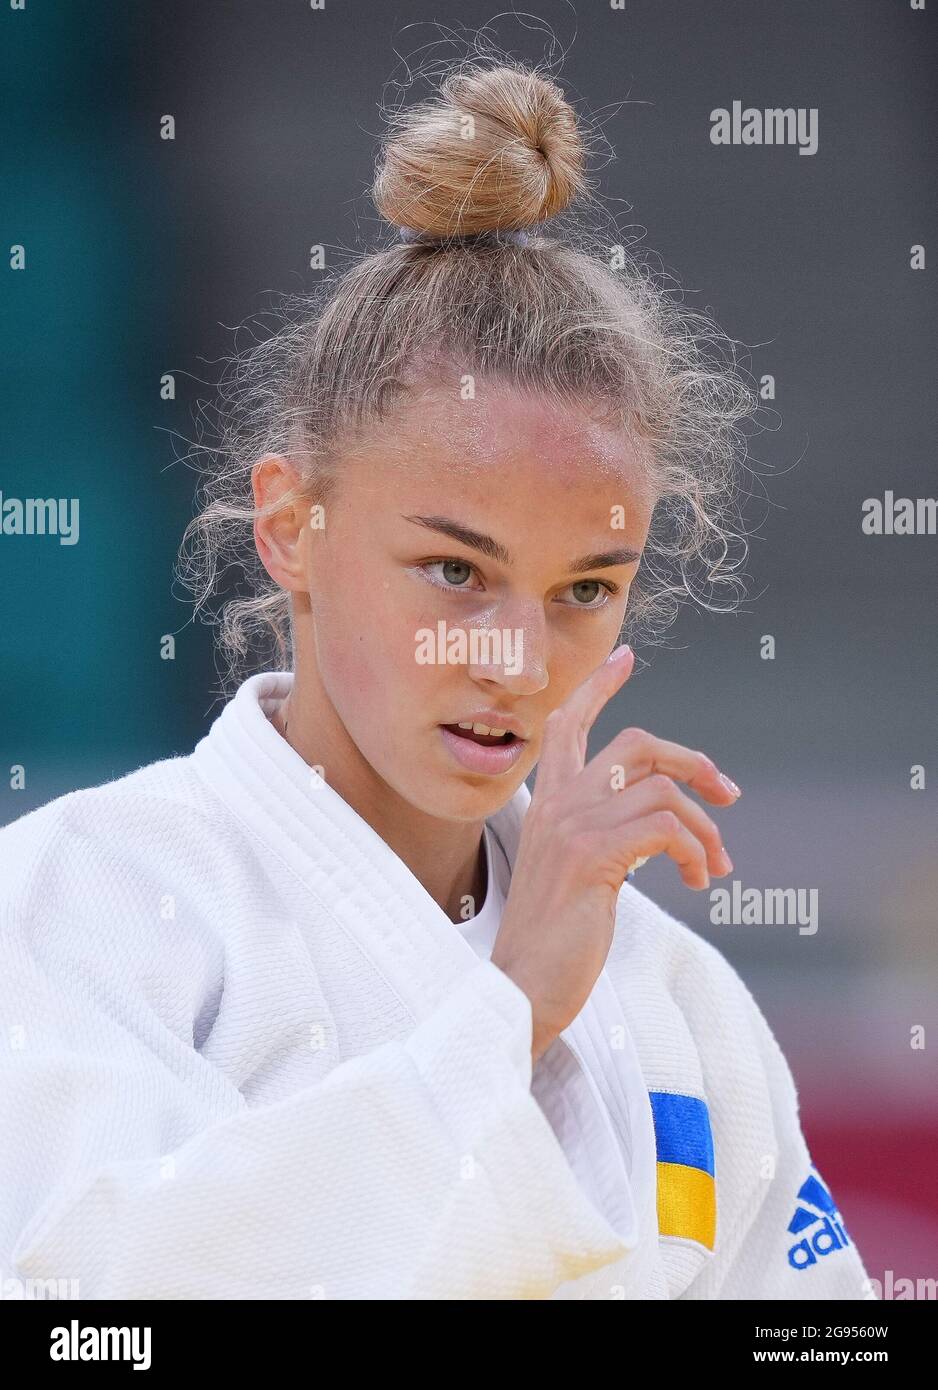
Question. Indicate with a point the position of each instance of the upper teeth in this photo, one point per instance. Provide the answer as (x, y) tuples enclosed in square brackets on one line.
[(483, 729)]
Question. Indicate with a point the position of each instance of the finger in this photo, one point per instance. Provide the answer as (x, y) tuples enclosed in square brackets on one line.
[(661, 832), (635, 754), (657, 793), (566, 729)]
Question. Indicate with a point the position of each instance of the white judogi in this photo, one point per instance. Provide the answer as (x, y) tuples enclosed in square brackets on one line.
[(244, 1054)]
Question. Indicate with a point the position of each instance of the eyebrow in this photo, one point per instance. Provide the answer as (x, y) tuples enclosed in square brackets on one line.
[(476, 540)]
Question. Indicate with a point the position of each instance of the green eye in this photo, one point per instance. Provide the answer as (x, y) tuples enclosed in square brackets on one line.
[(451, 574), (463, 571), (594, 588), (590, 584)]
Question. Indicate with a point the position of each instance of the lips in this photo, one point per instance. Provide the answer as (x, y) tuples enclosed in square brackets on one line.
[(481, 753), (484, 740), (488, 721)]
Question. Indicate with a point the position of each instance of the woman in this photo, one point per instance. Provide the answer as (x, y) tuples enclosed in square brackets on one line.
[(332, 1007)]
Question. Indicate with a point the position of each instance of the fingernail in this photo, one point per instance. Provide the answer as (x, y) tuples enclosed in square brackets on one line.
[(619, 653), (729, 784), (726, 860)]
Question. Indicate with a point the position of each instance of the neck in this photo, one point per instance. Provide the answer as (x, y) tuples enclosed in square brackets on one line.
[(446, 857)]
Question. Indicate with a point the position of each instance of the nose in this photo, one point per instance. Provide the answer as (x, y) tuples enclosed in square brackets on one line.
[(511, 649)]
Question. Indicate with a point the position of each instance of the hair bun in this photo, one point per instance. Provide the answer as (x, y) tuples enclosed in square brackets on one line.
[(498, 150)]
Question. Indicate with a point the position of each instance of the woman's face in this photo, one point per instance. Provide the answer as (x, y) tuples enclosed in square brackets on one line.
[(474, 564)]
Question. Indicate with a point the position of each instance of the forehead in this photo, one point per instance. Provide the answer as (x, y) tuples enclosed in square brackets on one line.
[(502, 438)]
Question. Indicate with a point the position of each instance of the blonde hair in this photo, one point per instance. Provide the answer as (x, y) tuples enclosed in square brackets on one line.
[(497, 150)]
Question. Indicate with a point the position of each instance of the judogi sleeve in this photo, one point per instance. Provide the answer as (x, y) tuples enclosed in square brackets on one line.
[(788, 1238), (422, 1169)]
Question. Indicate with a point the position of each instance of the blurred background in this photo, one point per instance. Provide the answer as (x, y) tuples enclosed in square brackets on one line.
[(142, 254)]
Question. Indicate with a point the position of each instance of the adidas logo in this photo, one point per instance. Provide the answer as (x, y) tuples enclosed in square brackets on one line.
[(819, 1213)]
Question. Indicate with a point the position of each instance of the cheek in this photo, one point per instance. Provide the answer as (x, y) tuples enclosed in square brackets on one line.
[(576, 656), (366, 653)]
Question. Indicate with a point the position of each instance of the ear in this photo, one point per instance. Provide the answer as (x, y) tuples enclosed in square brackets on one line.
[(278, 534)]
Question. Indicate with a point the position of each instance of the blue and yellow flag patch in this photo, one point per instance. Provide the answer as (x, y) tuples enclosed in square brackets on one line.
[(686, 1188)]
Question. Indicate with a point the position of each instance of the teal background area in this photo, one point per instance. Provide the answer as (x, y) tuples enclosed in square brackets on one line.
[(88, 327)]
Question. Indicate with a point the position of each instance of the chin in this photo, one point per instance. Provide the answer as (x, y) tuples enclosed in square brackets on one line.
[(473, 805), (472, 798), (457, 796)]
